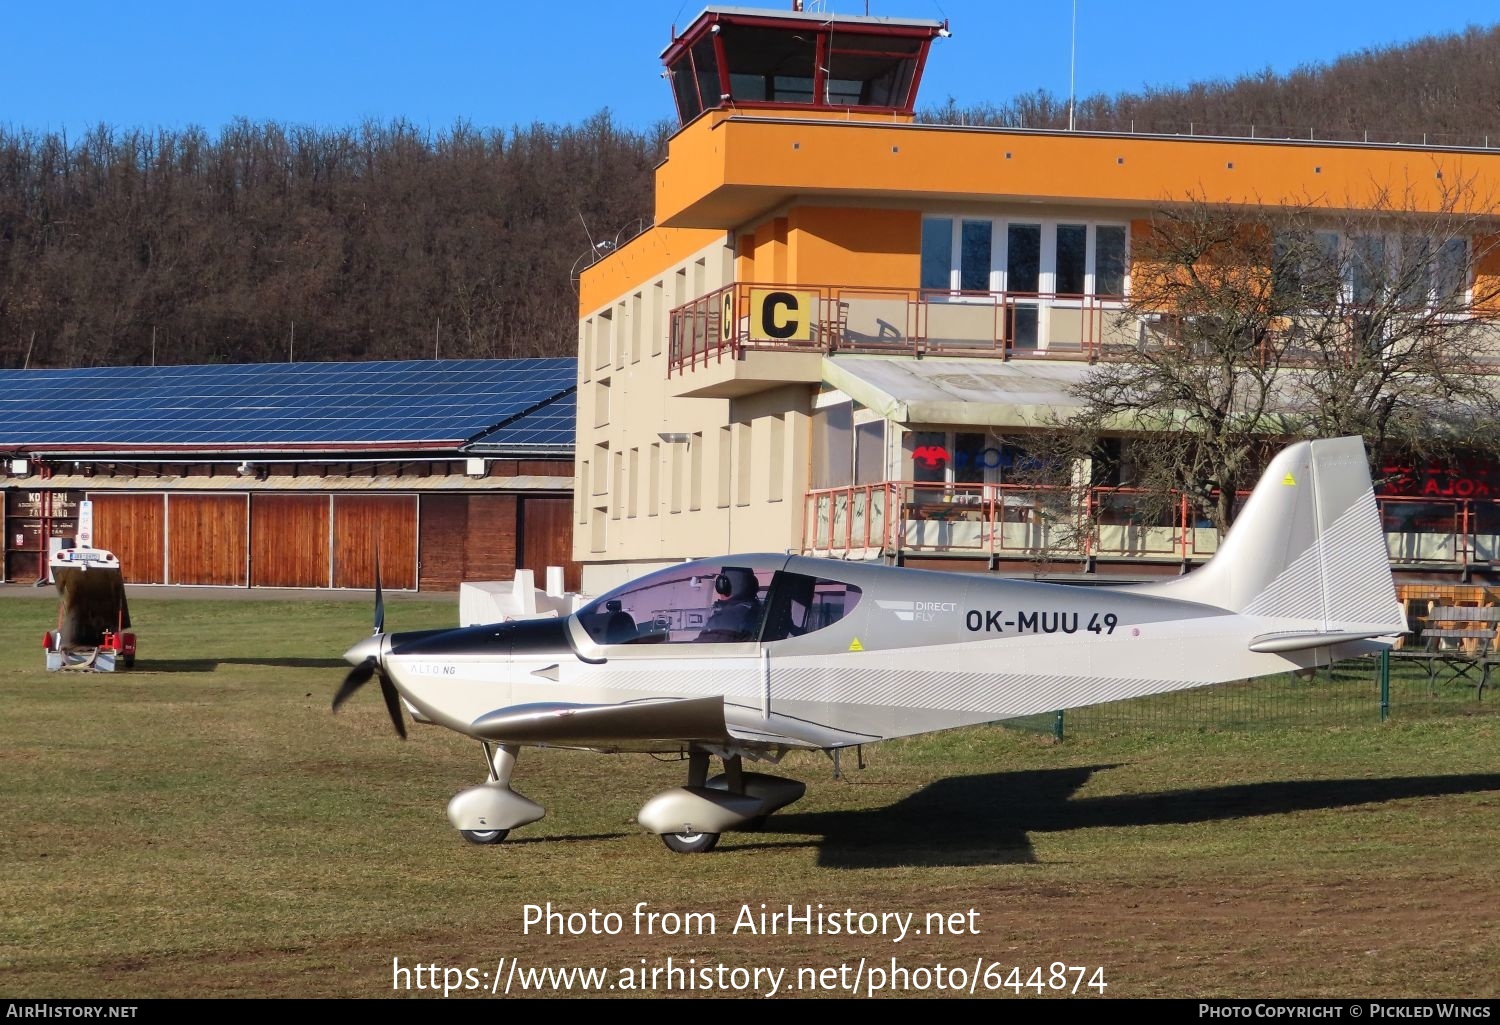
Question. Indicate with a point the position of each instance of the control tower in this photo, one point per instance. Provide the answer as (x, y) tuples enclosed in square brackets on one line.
[(747, 59)]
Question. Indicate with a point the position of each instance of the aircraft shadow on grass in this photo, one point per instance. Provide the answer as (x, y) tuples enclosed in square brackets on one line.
[(567, 838), (988, 819), (208, 665)]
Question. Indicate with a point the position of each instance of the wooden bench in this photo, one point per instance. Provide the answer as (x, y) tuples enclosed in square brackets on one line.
[(1461, 639)]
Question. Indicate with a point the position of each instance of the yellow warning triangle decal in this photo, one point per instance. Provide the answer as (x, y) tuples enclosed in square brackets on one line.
[(854, 645), (1289, 481)]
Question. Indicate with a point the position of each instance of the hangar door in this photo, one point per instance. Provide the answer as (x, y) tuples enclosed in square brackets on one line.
[(360, 522), (134, 528), (488, 537), (206, 539), (546, 527), (289, 540)]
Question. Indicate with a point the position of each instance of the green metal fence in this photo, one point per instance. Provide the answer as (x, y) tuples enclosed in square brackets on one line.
[(1355, 691)]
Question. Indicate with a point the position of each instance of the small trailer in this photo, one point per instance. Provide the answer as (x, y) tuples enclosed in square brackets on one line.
[(93, 619)]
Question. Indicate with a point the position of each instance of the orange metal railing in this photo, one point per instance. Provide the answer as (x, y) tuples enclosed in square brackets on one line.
[(1008, 325), (1026, 522), (1005, 325)]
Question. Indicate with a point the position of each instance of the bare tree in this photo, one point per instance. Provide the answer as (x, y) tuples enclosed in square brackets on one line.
[(1261, 324), (1394, 329)]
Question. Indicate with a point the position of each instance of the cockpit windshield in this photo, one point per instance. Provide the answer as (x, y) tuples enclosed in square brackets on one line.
[(741, 599), (708, 602)]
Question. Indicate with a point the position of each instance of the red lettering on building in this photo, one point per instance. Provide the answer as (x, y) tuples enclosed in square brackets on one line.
[(1472, 479)]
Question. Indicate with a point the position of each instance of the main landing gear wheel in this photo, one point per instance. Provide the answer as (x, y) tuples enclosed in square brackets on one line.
[(690, 843), (484, 836)]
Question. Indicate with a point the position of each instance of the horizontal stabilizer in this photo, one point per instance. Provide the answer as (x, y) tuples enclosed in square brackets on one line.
[(605, 725), (1295, 640)]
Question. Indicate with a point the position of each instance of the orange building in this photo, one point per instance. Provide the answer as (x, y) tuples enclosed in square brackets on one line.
[(843, 324)]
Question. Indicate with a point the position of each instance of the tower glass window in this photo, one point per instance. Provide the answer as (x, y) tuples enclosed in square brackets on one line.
[(734, 56)]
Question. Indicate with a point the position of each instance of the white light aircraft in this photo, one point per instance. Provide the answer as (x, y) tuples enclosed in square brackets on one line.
[(753, 656)]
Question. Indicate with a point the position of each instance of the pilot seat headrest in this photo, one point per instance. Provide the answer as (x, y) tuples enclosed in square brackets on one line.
[(736, 582)]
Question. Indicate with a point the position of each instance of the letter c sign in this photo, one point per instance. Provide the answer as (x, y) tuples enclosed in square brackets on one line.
[(781, 316), (727, 327)]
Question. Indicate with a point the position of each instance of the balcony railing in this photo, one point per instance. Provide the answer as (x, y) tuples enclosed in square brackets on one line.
[(1024, 522), (1007, 325), (895, 321)]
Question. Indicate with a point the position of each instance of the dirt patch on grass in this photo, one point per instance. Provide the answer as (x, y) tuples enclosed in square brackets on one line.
[(1248, 937)]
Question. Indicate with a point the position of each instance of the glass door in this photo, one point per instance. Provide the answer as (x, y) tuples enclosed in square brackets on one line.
[(1023, 271)]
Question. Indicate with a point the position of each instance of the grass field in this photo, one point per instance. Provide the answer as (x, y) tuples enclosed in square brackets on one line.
[(204, 826)]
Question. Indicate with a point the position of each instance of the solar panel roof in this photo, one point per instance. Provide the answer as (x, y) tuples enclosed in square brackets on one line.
[(268, 405), (551, 427)]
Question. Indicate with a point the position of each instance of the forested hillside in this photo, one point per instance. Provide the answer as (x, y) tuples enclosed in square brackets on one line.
[(1443, 88), (263, 241)]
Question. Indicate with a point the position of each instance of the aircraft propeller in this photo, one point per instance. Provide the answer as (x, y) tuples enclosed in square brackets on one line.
[(379, 599), (361, 673), (359, 676)]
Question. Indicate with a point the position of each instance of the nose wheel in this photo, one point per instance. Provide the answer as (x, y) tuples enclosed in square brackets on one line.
[(486, 814)]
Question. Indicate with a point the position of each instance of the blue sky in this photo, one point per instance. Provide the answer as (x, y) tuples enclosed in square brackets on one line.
[(156, 63)]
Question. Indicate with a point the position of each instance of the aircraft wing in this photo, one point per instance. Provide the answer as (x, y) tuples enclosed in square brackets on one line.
[(784, 731), (653, 725), (580, 725)]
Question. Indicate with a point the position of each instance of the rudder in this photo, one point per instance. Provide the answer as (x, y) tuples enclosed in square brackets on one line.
[(1307, 546)]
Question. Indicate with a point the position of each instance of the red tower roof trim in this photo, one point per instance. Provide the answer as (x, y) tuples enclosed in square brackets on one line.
[(870, 25)]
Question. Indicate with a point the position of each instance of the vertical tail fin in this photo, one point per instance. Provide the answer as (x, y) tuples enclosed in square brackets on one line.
[(1307, 546)]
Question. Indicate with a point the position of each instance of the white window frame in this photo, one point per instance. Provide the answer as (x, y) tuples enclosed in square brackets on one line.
[(1391, 240), (1047, 275)]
